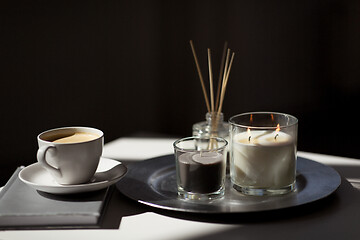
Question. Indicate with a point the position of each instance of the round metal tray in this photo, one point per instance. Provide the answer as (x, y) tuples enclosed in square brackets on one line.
[(153, 182)]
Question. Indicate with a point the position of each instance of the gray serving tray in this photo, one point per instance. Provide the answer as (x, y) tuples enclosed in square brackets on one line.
[(153, 182)]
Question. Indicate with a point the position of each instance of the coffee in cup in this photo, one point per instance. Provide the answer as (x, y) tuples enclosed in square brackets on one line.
[(77, 137), (70, 154)]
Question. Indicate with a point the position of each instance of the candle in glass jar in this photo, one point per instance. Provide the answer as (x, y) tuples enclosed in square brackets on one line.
[(263, 159)]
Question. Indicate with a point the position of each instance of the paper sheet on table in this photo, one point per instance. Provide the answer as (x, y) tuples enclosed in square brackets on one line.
[(133, 149), (154, 226)]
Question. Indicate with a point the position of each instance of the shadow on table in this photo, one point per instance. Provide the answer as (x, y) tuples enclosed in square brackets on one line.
[(120, 206), (335, 217)]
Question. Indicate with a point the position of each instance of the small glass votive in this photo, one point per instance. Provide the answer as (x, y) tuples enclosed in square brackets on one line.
[(200, 167), (263, 153)]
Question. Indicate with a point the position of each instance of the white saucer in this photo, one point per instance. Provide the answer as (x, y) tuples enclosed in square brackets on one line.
[(38, 178)]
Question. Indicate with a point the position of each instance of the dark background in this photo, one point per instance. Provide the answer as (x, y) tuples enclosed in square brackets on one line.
[(126, 67)]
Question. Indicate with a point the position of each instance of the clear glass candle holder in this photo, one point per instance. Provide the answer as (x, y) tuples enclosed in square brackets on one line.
[(263, 153), (200, 167)]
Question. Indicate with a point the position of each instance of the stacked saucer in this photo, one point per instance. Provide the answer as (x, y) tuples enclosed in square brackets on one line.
[(109, 171)]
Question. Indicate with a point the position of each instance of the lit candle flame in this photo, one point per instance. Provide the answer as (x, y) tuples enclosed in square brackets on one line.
[(249, 133), (277, 130)]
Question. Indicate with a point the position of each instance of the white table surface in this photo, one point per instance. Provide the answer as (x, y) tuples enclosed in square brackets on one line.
[(336, 217)]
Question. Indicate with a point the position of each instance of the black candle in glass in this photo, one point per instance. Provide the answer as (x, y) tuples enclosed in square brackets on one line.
[(200, 167)]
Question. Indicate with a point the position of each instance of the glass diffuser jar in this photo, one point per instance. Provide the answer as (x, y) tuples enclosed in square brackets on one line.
[(214, 126)]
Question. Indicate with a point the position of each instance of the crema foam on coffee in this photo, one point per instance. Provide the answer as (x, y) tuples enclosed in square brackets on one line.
[(77, 137)]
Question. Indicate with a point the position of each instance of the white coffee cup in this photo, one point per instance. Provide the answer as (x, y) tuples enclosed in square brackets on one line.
[(70, 154)]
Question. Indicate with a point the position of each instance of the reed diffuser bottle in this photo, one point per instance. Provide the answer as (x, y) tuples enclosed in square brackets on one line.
[(213, 126)]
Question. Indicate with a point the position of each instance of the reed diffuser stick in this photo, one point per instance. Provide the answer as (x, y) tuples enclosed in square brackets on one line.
[(211, 81), (216, 114), (220, 75), (225, 83), (200, 76)]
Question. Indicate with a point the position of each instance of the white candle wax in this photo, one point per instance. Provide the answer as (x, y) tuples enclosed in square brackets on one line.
[(264, 160), (207, 157)]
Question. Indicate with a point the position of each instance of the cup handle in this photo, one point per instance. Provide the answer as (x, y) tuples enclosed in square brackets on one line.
[(41, 153)]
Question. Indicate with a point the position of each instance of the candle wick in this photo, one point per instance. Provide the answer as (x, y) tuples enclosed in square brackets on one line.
[(276, 136), (249, 138)]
